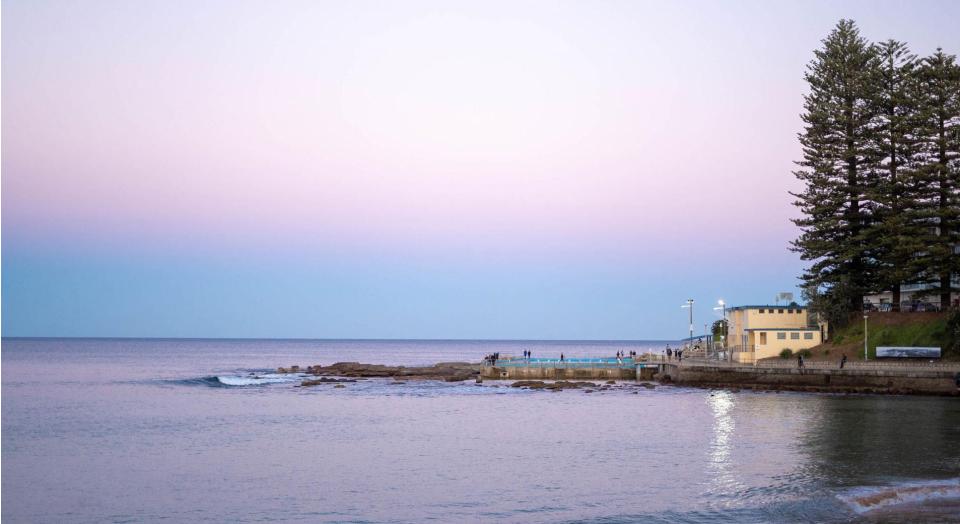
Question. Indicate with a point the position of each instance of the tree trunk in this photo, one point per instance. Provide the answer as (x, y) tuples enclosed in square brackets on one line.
[(944, 230), (944, 291), (895, 200), (856, 265)]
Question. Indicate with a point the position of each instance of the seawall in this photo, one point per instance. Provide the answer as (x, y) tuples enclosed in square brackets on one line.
[(906, 381), (557, 373)]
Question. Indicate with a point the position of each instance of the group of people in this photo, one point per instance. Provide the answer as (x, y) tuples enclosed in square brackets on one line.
[(492, 358), (678, 352), (843, 360), (527, 354)]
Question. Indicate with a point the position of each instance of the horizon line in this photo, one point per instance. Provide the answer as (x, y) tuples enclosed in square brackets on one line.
[(30, 337)]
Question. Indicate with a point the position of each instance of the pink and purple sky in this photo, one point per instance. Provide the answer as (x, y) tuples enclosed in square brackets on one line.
[(564, 170)]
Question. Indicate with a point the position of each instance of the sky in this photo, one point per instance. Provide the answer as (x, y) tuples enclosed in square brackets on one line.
[(480, 170)]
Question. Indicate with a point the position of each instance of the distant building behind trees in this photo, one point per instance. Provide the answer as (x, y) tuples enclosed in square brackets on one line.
[(881, 170)]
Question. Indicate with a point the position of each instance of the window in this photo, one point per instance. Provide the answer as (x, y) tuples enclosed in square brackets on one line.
[(808, 336), (763, 338), (780, 311), (781, 336), (761, 310), (794, 336)]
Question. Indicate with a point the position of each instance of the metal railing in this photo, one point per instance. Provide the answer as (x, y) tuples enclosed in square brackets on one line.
[(826, 364), (712, 361), (608, 363), (860, 364)]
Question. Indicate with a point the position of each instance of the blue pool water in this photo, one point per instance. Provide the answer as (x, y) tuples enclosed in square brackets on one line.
[(626, 362)]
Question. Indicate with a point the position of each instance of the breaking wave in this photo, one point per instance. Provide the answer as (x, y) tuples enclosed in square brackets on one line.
[(238, 380), (863, 500), (254, 380)]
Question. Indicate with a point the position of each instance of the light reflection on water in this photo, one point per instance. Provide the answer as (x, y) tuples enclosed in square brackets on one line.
[(722, 470), (108, 430)]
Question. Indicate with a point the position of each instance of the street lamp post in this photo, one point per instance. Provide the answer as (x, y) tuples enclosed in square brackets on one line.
[(706, 343), (866, 355), (689, 305), (723, 326)]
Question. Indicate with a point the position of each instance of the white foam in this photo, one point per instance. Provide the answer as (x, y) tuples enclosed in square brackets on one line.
[(253, 380), (863, 500)]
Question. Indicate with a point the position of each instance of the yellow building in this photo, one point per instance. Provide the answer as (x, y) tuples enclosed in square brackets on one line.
[(758, 332)]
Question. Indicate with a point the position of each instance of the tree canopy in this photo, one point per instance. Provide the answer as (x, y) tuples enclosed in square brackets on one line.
[(880, 206)]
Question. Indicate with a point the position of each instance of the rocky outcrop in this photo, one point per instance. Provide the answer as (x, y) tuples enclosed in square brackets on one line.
[(326, 380), (447, 371), (553, 386)]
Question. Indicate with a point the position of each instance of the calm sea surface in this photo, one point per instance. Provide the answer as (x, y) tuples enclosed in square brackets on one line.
[(150, 430)]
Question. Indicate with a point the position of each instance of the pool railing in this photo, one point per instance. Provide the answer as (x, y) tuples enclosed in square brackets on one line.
[(627, 362)]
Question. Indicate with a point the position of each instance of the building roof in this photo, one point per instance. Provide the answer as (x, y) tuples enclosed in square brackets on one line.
[(695, 337), (814, 328), (768, 306)]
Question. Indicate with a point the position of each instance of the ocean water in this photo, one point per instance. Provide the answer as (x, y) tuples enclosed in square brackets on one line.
[(121, 430)]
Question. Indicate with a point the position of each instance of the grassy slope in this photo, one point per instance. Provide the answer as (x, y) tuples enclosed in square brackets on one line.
[(887, 329)]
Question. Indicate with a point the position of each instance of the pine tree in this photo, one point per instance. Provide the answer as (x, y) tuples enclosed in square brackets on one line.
[(939, 77), (895, 232), (837, 142)]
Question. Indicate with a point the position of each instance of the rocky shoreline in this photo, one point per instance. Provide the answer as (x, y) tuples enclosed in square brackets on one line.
[(445, 371), (587, 387)]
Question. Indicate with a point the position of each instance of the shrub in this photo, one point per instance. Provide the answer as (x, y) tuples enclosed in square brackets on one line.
[(826, 352), (952, 338), (805, 353), (786, 353)]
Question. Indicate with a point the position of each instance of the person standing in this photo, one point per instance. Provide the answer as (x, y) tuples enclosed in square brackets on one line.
[(669, 353), (843, 360), (799, 360)]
